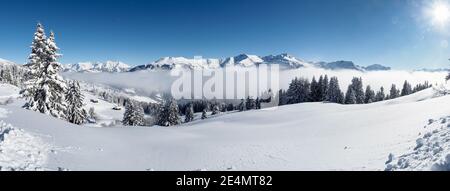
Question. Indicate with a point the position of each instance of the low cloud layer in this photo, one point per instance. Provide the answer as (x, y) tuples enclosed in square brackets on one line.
[(158, 81)]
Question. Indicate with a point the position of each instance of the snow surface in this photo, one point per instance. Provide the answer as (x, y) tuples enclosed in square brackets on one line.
[(308, 136)]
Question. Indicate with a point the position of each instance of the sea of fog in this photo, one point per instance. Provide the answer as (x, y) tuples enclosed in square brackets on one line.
[(148, 82)]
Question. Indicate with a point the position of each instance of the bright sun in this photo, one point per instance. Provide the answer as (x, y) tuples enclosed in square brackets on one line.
[(440, 13)]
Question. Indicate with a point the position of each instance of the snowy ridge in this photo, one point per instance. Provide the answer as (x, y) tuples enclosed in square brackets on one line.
[(5, 62), (108, 66), (286, 61)]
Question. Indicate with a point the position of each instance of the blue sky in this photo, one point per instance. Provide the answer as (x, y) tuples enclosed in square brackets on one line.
[(395, 33)]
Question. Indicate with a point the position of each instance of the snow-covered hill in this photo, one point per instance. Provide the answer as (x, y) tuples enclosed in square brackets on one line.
[(108, 66), (285, 61), (308, 136)]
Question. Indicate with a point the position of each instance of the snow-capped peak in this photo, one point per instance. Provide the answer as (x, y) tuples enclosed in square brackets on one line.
[(178, 62), (244, 60), (108, 66), (5, 62), (286, 59)]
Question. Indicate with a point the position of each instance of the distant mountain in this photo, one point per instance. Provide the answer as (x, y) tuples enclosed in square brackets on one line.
[(433, 70), (6, 62), (340, 65), (285, 61), (377, 67), (179, 62), (242, 60), (108, 66)]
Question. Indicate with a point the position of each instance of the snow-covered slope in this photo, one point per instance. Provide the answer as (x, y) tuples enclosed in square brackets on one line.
[(108, 66), (309, 136)]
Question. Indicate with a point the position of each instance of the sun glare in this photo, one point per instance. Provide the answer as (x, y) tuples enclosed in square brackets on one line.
[(440, 13)]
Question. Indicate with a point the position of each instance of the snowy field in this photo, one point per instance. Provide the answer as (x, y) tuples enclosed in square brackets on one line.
[(308, 136)]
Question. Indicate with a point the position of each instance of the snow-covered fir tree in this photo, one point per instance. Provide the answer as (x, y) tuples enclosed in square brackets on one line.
[(189, 113), (357, 87), (74, 99), (92, 116), (334, 93), (215, 109), (45, 90), (420, 87), (350, 96), (299, 91), (257, 103), (168, 113), (407, 89), (241, 106), (380, 96), (204, 114), (394, 92), (250, 103), (369, 95), (134, 114), (316, 91), (324, 88)]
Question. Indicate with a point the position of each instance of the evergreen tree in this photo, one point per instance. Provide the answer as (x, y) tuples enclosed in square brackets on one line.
[(74, 99), (334, 93), (420, 87), (380, 95), (241, 106), (168, 113), (45, 91), (250, 103), (204, 114), (189, 113), (357, 87), (299, 91), (215, 109), (134, 114), (282, 97), (369, 95), (257, 103), (394, 93), (316, 93), (91, 114), (230, 107), (324, 88), (350, 96), (406, 89)]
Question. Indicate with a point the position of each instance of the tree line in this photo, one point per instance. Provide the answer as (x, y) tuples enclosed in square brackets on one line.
[(302, 90)]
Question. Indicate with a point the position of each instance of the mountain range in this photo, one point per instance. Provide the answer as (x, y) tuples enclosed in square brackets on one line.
[(285, 61), (108, 66)]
